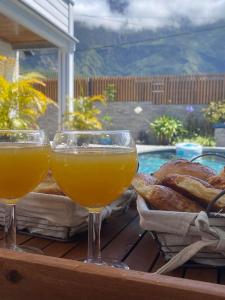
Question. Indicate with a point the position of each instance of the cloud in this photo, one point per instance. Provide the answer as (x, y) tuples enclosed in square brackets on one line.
[(148, 14)]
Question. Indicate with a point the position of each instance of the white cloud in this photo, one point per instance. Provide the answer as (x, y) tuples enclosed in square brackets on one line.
[(149, 14)]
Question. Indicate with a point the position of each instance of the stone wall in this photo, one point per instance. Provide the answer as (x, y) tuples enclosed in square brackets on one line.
[(220, 137), (124, 117)]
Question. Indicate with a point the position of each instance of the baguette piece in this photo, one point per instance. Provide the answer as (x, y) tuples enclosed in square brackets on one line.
[(184, 167), (164, 198), (141, 180), (217, 181), (49, 186), (195, 188)]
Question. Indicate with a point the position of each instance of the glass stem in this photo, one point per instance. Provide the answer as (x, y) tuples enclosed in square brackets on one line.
[(10, 227), (94, 246)]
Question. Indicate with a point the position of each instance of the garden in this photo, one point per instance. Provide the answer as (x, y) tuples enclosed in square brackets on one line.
[(22, 103)]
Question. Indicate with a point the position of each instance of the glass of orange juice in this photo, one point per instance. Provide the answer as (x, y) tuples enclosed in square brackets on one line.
[(24, 161), (93, 168)]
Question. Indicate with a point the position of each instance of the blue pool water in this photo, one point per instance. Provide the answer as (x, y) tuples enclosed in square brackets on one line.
[(151, 162)]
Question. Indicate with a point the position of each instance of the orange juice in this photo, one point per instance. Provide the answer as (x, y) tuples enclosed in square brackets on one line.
[(22, 167), (94, 178)]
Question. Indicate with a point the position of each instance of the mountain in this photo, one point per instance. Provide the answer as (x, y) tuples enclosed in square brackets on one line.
[(102, 52)]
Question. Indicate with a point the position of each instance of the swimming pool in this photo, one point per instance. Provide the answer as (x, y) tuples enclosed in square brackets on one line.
[(151, 161)]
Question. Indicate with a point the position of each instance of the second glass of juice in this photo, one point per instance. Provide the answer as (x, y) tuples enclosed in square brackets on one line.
[(94, 173)]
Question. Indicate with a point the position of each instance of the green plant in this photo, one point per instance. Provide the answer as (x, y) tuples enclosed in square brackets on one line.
[(167, 129), (85, 114), (106, 120), (20, 103), (110, 92), (215, 112), (199, 139)]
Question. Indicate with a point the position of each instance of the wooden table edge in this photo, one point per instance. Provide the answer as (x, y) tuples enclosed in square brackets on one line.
[(42, 277)]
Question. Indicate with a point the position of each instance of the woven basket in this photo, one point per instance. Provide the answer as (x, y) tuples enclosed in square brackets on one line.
[(183, 241)]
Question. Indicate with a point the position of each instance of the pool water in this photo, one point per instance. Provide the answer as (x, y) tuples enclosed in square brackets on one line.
[(152, 161)]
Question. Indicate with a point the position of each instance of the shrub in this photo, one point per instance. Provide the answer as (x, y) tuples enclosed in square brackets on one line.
[(167, 129), (215, 112), (85, 115), (207, 141), (110, 92), (20, 103)]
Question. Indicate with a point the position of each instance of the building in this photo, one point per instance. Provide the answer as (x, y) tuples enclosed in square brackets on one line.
[(32, 24)]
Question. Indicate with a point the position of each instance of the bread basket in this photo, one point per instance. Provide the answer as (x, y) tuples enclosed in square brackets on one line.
[(56, 217), (186, 237)]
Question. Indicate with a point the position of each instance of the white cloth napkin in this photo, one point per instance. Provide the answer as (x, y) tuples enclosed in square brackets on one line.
[(194, 229), (58, 216)]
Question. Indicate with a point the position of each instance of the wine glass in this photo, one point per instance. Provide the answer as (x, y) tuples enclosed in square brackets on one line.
[(24, 161), (93, 168)]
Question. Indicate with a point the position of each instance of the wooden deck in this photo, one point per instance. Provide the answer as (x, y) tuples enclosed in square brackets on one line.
[(123, 239)]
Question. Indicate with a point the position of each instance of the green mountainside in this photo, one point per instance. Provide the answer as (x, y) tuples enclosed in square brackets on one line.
[(186, 50)]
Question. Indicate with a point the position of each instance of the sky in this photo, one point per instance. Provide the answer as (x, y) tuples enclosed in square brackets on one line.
[(147, 14)]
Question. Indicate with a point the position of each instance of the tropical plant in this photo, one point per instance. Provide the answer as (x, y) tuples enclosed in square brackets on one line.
[(110, 92), (215, 112), (7, 67), (167, 129), (85, 114), (207, 141), (20, 103)]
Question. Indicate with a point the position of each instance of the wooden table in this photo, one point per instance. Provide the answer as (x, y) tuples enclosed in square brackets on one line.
[(123, 239)]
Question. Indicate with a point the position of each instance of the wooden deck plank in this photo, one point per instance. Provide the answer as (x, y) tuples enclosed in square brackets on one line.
[(159, 262), (79, 252), (37, 243), (59, 249), (143, 255), (22, 238), (203, 274), (124, 242), (110, 229)]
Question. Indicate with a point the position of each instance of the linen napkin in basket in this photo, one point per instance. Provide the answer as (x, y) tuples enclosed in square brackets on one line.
[(195, 230), (58, 216)]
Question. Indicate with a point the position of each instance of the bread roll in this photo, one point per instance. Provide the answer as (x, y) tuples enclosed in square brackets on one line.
[(141, 180), (217, 181), (222, 173), (195, 188), (161, 197), (164, 198), (49, 186), (184, 167)]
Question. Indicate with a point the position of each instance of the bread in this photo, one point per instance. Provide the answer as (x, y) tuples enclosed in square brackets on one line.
[(217, 181), (141, 180), (222, 173), (49, 186), (164, 198), (184, 167), (161, 197), (195, 188)]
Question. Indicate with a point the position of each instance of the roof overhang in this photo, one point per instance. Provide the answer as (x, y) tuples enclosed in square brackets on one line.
[(24, 28)]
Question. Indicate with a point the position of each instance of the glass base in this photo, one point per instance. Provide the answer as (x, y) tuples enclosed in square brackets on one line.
[(107, 262), (26, 249)]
